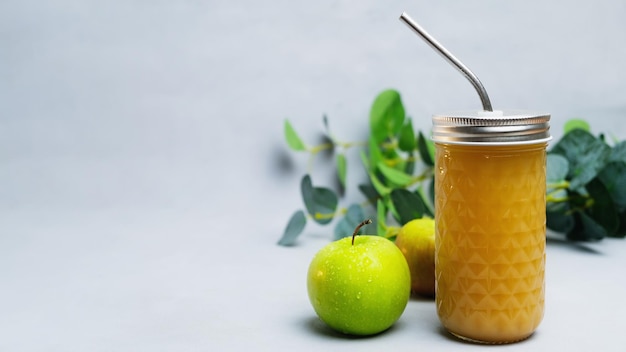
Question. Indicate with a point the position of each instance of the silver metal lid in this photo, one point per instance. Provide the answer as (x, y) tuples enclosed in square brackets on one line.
[(507, 127)]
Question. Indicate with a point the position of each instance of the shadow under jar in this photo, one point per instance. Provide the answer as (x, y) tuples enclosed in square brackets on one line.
[(490, 214)]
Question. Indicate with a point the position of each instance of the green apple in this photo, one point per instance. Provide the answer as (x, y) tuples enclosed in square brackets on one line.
[(416, 240), (359, 285)]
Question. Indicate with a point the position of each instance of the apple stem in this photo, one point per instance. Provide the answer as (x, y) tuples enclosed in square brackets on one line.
[(358, 227)]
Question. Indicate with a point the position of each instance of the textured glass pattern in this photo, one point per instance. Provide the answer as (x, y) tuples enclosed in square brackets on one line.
[(490, 240)]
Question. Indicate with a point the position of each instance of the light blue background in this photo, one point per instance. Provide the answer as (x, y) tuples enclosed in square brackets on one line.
[(144, 178)]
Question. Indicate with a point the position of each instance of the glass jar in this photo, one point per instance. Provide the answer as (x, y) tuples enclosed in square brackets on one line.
[(490, 214)]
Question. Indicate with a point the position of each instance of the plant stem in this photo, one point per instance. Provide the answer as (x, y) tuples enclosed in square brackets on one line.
[(314, 150), (358, 227), (558, 185)]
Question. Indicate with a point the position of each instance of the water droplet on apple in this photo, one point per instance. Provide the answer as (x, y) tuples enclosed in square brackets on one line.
[(358, 295)]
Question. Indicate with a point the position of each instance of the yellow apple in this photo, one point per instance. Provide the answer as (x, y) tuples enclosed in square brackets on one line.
[(416, 240)]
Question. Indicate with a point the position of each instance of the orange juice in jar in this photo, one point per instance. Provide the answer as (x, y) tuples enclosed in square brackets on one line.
[(490, 185)]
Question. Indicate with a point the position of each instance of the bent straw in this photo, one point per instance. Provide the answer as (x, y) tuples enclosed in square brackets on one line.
[(482, 93)]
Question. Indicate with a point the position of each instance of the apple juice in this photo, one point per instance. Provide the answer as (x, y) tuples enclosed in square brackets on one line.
[(490, 214)]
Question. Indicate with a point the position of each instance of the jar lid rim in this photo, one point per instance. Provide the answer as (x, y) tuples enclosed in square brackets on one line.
[(498, 127)]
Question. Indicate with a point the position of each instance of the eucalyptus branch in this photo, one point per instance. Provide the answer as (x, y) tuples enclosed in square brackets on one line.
[(585, 194), (563, 184)]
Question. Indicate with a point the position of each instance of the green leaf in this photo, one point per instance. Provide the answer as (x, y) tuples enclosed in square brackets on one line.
[(576, 124), (603, 210), (586, 154), (365, 160), (557, 168), (375, 155), (379, 186), (321, 203), (555, 201), (428, 211), (409, 167), (621, 231), (369, 192), (431, 190), (426, 149), (618, 152), (391, 209), (397, 177), (613, 176), (407, 141), (293, 140), (409, 205), (386, 115), (381, 216), (345, 227), (341, 169), (294, 229), (560, 221), (392, 157), (585, 228)]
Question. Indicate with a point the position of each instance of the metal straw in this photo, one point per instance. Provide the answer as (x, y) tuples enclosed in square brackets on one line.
[(484, 98)]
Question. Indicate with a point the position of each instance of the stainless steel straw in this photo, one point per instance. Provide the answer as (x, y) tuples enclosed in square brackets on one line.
[(484, 98)]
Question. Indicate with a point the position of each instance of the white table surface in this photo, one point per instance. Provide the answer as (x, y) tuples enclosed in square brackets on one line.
[(154, 281), (144, 179)]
